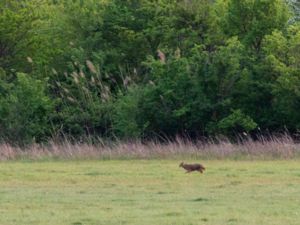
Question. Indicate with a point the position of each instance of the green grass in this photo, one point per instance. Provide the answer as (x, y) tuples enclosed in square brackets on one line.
[(149, 192)]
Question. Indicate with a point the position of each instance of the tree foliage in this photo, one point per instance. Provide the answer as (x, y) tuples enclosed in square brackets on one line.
[(147, 68)]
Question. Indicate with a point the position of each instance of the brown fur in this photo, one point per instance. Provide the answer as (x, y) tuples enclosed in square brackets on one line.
[(192, 167)]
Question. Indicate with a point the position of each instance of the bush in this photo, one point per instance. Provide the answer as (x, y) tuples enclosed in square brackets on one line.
[(25, 110), (126, 113), (237, 122)]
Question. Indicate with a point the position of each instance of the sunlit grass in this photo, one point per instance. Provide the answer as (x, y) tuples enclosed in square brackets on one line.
[(149, 192)]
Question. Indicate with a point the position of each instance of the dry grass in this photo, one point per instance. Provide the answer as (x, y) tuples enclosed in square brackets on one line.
[(283, 147)]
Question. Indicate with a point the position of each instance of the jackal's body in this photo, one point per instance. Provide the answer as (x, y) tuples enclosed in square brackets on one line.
[(192, 167)]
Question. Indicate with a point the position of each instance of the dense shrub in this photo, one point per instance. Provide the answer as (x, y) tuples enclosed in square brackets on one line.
[(142, 69), (25, 110)]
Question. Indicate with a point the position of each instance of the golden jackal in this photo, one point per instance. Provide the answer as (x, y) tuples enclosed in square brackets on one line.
[(192, 167)]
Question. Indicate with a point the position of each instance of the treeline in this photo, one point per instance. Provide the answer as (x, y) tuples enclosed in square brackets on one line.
[(147, 68)]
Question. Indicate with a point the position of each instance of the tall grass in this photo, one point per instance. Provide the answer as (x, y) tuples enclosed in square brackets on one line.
[(283, 147)]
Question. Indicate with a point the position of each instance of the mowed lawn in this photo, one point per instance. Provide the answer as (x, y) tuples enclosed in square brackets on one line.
[(149, 192)]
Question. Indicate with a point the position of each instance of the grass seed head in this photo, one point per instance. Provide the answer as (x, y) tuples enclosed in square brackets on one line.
[(91, 66), (29, 59)]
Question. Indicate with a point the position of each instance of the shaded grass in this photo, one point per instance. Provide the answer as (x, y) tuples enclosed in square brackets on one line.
[(149, 192)]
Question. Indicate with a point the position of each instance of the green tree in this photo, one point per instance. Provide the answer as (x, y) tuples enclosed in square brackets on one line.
[(236, 123), (126, 113), (251, 20), (17, 39), (25, 112), (295, 6), (282, 52)]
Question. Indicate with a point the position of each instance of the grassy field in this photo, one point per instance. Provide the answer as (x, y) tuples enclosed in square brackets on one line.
[(149, 192)]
